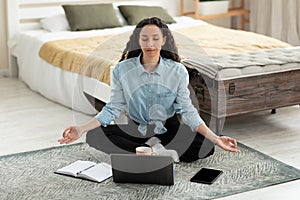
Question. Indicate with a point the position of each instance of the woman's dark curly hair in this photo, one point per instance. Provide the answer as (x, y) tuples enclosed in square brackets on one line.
[(169, 49)]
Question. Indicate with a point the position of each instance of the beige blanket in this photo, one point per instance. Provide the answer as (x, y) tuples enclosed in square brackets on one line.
[(94, 56)]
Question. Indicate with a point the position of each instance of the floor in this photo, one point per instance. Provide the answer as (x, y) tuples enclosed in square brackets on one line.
[(28, 121)]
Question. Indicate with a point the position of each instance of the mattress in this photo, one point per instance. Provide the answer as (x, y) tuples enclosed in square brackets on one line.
[(247, 64)]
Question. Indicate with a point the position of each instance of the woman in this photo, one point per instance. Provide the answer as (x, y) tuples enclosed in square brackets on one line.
[(150, 85)]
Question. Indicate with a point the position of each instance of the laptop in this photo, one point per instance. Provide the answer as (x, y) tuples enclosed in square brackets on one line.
[(132, 168)]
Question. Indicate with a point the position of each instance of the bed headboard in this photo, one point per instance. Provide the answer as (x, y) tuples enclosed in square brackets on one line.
[(25, 15)]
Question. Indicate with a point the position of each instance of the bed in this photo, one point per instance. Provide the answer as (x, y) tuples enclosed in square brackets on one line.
[(228, 77)]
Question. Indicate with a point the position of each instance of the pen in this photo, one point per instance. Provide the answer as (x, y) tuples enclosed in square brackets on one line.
[(86, 169)]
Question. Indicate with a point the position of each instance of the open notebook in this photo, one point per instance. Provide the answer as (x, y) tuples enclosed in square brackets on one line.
[(89, 170)]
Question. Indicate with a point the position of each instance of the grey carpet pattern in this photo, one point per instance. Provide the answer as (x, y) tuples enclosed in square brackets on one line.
[(30, 176)]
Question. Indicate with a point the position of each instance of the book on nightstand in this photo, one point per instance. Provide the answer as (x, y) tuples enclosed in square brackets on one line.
[(88, 170)]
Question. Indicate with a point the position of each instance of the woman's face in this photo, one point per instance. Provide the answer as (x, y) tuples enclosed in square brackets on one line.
[(151, 40)]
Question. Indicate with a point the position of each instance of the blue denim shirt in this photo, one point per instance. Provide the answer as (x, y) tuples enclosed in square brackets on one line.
[(150, 98)]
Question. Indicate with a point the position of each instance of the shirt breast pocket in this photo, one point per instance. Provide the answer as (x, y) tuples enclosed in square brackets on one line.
[(166, 99)]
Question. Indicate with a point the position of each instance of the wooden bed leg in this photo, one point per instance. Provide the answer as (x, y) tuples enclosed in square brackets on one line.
[(273, 111), (219, 125), (216, 125), (96, 103)]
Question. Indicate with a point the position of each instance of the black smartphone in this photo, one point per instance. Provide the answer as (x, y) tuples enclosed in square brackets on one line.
[(206, 176)]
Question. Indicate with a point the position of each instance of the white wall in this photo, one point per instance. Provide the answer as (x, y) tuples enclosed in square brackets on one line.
[(3, 40)]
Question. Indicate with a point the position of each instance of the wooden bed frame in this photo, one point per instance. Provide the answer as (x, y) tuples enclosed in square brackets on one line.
[(220, 99)]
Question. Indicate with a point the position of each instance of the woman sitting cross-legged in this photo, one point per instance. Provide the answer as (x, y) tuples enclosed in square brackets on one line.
[(150, 85)]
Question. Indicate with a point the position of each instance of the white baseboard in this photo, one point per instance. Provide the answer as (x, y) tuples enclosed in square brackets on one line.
[(4, 73)]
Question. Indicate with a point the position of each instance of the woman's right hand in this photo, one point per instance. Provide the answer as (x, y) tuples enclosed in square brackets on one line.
[(71, 134)]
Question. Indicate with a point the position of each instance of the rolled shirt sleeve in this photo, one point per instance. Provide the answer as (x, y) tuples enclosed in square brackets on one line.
[(116, 104), (184, 106)]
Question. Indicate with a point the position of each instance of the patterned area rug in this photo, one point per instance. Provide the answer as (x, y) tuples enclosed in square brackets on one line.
[(30, 176)]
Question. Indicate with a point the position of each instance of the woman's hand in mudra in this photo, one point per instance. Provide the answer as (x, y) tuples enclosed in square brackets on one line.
[(227, 143), (70, 134)]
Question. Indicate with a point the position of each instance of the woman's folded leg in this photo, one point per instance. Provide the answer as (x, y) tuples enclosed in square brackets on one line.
[(115, 138)]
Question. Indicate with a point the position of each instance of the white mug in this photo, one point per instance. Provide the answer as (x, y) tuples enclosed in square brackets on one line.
[(145, 151)]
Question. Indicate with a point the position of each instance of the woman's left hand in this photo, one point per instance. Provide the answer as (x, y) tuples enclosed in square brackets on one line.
[(227, 143)]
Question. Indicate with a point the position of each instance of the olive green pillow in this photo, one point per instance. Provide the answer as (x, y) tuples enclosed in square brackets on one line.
[(133, 14), (91, 16)]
